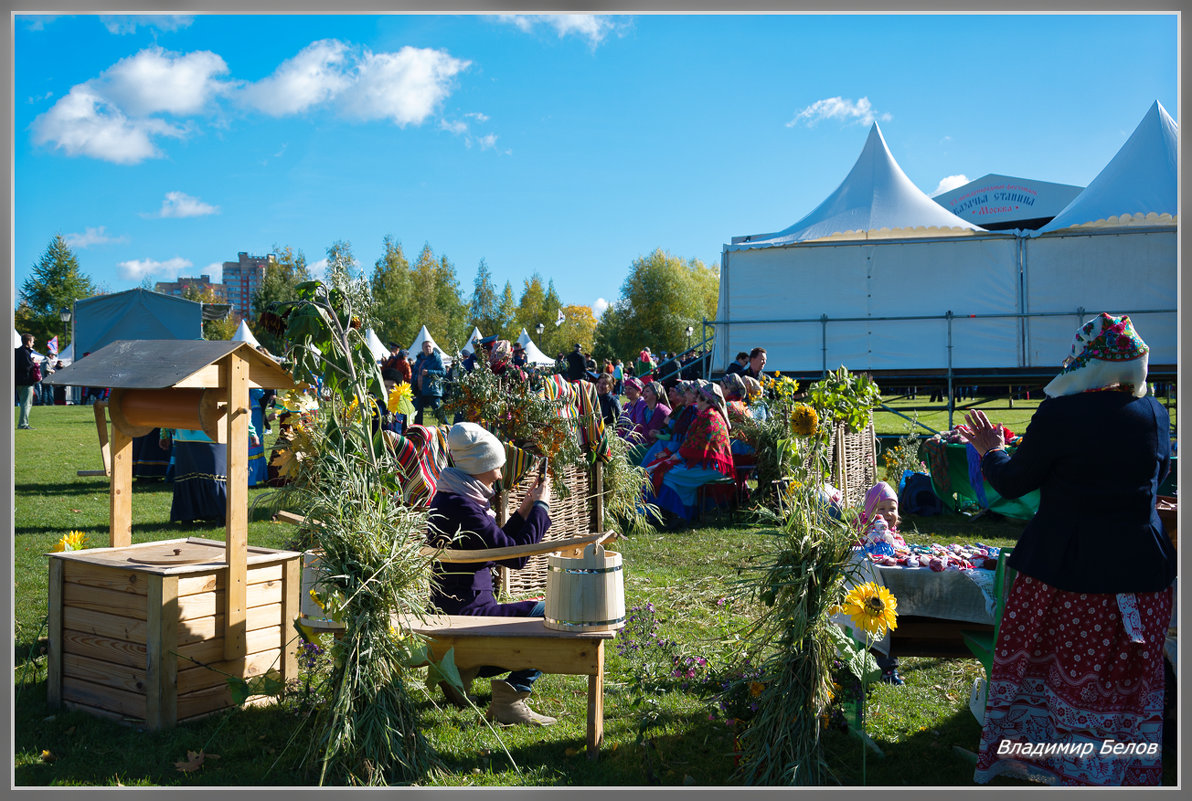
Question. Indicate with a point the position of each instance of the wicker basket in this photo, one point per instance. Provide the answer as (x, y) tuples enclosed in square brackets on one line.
[(579, 513), (854, 462)]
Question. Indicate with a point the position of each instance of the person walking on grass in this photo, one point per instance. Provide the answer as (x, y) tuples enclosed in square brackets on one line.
[(27, 375)]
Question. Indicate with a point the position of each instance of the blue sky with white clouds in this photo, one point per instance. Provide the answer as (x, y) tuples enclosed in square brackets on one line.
[(567, 145)]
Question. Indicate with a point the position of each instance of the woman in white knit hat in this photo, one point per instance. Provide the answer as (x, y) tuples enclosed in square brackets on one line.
[(461, 515)]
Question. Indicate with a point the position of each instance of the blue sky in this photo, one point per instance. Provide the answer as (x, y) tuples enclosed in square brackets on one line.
[(568, 145)]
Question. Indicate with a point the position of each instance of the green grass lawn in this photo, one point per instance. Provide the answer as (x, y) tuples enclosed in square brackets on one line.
[(688, 576)]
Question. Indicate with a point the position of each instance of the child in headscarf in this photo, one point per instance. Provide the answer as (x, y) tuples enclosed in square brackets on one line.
[(879, 522)]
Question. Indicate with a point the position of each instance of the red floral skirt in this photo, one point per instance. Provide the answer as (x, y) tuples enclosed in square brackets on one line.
[(1076, 689)]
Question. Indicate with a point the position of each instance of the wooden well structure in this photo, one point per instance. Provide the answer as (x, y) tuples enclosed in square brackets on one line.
[(147, 633)]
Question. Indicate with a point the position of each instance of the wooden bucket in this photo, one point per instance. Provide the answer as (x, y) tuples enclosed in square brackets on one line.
[(585, 594)]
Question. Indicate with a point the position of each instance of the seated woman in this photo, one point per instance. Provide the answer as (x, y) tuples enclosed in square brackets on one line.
[(653, 420), (462, 506), (635, 407), (703, 456), (683, 411), (610, 404), (735, 393)]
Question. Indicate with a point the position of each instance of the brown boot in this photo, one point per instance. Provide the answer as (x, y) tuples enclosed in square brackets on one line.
[(509, 707), (453, 695)]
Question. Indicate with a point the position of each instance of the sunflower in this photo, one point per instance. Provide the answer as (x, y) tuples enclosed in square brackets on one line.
[(400, 394), (295, 400), (804, 420), (74, 541), (872, 608)]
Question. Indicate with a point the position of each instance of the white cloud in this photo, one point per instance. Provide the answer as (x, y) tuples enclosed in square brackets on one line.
[(838, 108), (168, 270), (35, 22), (949, 183), (317, 74), (109, 117), (129, 23), (592, 27), (180, 204), (318, 270), (487, 142), (215, 271), (457, 127), (155, 80), (92, 236), (405, 87), (83, 123), (476, 115), (599, 307)]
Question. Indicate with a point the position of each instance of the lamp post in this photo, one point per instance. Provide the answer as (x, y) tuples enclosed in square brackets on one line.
[(540, 328), (688, 333)]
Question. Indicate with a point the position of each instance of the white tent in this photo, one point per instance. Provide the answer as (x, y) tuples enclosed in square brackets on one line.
[(533, 354), (379, 351), (875, 280), (875, 200), (16, 339), (244, 334), (1137, 187), (423, 336), (467, 349), (67, 355)]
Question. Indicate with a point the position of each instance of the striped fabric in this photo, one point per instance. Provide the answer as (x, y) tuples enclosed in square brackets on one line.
[(517, 463), (580, 403), (421, 456)]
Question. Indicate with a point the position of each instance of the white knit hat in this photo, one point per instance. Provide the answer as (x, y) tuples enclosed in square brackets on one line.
[(473, 449)]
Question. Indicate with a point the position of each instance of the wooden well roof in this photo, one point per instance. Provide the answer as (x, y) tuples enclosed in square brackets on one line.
[(163, 363)]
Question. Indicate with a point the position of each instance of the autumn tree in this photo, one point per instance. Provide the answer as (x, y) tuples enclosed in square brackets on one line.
[(660, 297), (507, 326), (56, 283), (221, 329), (579, 325), (530, 307), (437, 303)]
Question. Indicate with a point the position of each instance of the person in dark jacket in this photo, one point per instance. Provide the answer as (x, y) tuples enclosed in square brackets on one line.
[(577, 365), (428, 381), (1079, 654), (461, 517), (24, 379)]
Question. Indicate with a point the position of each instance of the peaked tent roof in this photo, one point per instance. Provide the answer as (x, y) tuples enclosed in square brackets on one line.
[(379, 351), (1137, 187), (424, 335), (244, 334), (16, 339), (875, 199), (533, 354), (472, 338)]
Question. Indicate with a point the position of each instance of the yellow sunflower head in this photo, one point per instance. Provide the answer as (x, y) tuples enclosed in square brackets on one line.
[(400, 393), (872, 609), (804, 420), (73, 541)]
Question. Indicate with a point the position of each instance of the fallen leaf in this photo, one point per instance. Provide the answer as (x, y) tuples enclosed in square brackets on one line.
[(74, 510), (571, 751), (46, 756), (194, 760)]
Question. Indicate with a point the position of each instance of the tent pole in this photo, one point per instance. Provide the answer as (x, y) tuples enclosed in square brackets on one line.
[(951, 397)]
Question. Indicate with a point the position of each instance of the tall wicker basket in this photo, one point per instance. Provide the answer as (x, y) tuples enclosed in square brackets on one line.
[(581, 512), (854, 461)]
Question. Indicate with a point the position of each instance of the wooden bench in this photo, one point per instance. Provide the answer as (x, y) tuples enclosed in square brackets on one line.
[(519, 643)]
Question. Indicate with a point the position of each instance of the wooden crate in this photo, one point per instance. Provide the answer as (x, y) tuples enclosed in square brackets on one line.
[(580, 513), (136, 633)]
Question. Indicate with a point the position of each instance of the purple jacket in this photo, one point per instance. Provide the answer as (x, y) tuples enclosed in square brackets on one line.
[(657, 421), (467, 589)]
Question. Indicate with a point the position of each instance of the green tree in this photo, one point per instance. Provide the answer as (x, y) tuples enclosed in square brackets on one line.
[(437, 300), (530, 308), (56, 283), (393, 291), (221, 329), (484, 312), (554, 341), (660, 297), (507, 315), (287, 270)]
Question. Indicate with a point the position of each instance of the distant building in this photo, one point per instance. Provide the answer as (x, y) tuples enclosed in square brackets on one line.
[(202, 284), (1003, 202), (241, 280)]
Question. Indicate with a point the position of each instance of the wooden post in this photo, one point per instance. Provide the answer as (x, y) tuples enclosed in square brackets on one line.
[(596, 485), (120, 532), (596, 704), (236, 538), (54, 630), (291, 600), (161, 664), (101, 425)]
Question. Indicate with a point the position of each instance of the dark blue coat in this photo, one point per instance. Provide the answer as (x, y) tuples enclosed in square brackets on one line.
[(1097, 459), (467, 588)]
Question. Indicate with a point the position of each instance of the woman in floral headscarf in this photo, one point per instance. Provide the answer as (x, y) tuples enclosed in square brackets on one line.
[(1079, 654), (500, 360), (703, 456)]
